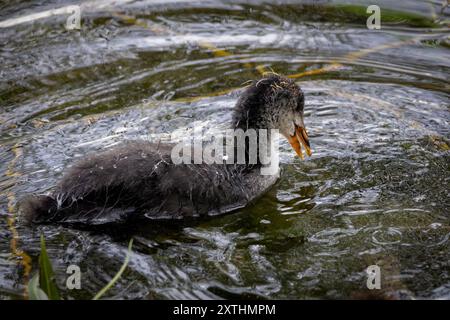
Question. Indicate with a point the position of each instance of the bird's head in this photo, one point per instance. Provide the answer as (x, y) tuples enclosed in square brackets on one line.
[(274, 102)]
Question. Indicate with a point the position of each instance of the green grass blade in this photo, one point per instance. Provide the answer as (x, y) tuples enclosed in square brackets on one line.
[(46, 276), (34, 291), (118, 274)]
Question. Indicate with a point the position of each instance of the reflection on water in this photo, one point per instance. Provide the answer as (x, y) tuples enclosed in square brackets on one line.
[(374, 192)]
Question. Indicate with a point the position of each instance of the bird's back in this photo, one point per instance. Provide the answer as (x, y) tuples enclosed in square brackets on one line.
[(139, 179)]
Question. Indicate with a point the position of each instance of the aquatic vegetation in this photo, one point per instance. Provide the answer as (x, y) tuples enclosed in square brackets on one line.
[(42, 285)]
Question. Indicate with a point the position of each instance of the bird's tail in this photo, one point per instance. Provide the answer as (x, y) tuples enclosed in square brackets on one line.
[(37, 209), (45, 209)]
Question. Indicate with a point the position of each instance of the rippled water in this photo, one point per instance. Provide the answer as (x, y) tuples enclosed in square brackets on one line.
[(375, 191)]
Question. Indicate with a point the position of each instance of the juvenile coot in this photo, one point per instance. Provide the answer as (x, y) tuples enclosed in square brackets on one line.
[(139, 179)]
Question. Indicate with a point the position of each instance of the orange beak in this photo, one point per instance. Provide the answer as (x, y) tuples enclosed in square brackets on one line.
[(298, 139)]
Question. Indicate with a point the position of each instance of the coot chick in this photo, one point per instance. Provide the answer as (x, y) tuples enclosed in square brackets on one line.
[(139, 179)]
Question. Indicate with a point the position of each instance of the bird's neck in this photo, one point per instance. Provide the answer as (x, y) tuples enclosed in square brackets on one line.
[(254, 145)]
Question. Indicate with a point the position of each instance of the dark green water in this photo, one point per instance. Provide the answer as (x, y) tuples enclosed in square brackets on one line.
[(375, 191)]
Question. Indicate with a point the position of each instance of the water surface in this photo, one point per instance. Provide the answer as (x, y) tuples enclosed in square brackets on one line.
[(375, 191)]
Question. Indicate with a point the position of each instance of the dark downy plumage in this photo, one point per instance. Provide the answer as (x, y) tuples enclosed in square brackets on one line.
[(138, 179)]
